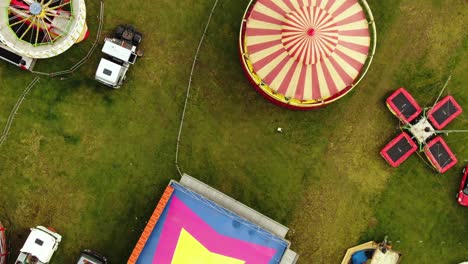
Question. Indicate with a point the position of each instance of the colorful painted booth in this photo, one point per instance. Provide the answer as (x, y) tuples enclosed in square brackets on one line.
[(194, 223)]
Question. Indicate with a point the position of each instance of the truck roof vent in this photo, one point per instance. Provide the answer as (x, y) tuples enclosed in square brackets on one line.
[(39, 242), (107, 72)]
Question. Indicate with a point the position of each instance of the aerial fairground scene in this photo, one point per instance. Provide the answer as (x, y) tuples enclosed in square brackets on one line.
[(233, 132)]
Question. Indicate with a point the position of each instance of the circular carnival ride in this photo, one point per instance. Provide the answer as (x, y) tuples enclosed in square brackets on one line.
[(42, 28), (304, 54)]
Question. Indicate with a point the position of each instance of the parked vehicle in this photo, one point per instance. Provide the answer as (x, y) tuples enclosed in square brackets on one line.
[(3, 245), (39, 247), (14, 58), (373, 253), (91, 257), (462, 195), (121, 51)]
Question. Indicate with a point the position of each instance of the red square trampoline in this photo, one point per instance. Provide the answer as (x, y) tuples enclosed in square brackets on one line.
[(440, 155), (444, 112), (403, 105), (399, 149)]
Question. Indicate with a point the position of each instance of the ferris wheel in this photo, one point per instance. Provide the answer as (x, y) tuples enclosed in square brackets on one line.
[(42, 28)]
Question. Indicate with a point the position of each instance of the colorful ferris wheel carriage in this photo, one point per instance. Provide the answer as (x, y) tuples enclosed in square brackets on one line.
[(306, 54), (42, 28)]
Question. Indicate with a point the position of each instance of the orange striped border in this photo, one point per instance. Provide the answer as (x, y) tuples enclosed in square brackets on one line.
[(151, 224)]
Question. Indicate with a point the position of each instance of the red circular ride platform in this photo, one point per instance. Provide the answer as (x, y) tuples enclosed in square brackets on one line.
[(304, 54)]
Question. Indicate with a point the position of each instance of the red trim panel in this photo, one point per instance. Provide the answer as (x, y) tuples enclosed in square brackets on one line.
[(397, 110), (150, 226), (455, 107), (3, 244), (442, 160), (399, 149)]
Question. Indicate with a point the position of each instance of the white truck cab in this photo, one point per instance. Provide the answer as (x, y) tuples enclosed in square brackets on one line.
[(121, 51), (39, 247)]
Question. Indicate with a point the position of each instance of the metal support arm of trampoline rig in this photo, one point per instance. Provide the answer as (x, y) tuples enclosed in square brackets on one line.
[(450, 131), (443, 89)]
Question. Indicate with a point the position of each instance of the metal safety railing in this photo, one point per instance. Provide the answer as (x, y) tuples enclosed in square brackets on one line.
[(189, 86), (13, 112)]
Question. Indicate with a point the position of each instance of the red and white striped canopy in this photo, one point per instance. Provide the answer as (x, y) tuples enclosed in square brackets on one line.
[(307, 50)]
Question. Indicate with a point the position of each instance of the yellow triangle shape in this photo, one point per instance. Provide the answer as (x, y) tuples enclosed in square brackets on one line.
[(190, 251)]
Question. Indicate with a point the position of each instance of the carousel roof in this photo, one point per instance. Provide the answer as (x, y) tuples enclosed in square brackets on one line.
[(306, 51)]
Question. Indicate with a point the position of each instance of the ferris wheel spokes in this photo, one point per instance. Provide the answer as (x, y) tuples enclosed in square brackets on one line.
[(42, 28), (40, 23)]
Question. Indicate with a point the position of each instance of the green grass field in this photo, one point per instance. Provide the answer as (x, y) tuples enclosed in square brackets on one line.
[(92, 162)]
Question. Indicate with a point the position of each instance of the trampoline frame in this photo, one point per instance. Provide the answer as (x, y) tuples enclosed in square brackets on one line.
[(440, 104), (291, 103), (394, 109), (433, 160), (392, 143)]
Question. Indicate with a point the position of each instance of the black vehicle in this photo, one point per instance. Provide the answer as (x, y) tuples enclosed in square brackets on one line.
[(9, 55), (91, 257), (129, 34)]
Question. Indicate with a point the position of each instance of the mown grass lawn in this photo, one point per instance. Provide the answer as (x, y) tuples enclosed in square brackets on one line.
[(92, 162)]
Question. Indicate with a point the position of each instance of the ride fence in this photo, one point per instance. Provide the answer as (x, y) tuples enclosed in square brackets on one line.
[(189, 86), (13, 112)]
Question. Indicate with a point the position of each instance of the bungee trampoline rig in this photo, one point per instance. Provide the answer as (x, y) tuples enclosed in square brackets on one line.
[(422, 129)]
